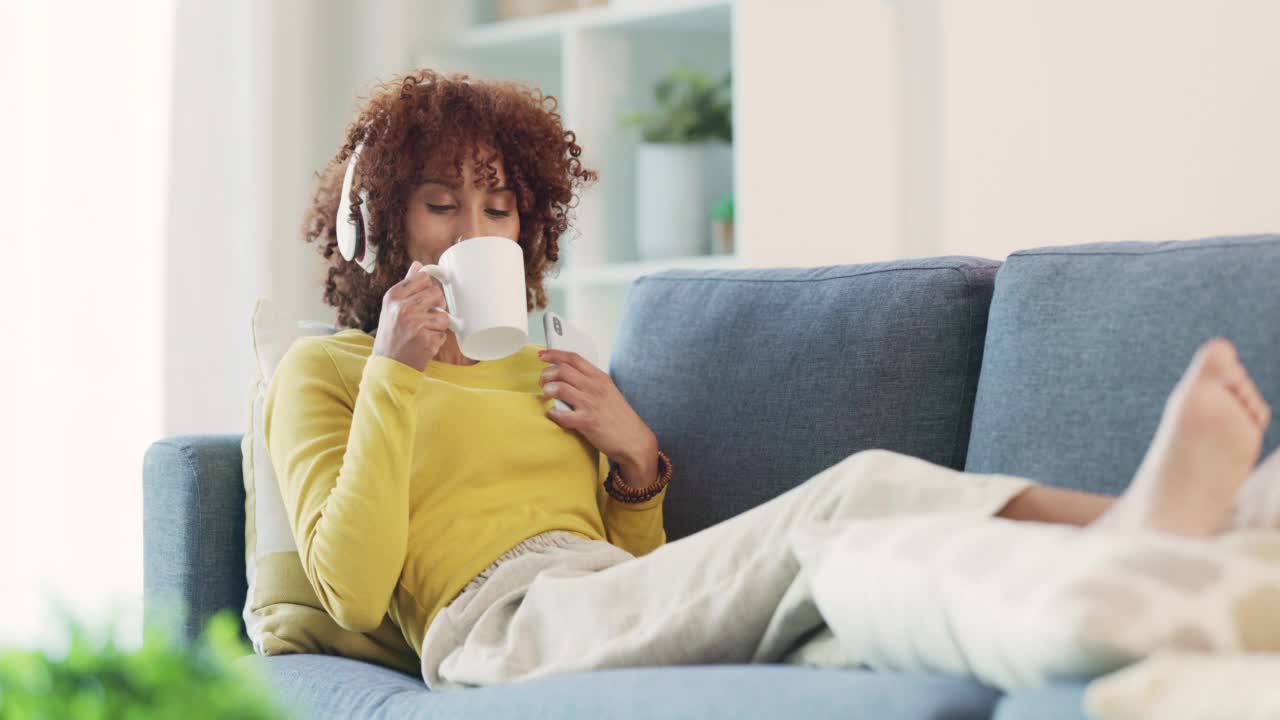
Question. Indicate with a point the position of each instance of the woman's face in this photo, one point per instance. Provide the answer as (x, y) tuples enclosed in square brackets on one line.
[(445, 209)]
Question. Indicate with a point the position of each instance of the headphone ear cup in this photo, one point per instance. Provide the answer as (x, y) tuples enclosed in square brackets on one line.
[(366, 252), (357, 253)]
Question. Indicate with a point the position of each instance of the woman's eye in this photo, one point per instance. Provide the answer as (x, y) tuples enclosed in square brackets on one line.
[(440, 208), (499, 213)]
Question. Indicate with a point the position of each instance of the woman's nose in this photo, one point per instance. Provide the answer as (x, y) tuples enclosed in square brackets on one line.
[(471, 226)]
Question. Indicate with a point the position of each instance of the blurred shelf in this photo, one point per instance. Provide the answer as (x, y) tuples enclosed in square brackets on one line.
[(543, 33), (600, 63), (535, 36)]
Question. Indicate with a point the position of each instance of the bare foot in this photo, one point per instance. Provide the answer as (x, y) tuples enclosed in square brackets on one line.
[(1257, 505), (1208, 441)]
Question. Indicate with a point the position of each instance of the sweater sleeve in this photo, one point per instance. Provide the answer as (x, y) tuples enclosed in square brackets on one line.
[(343, 468), (634, 527)]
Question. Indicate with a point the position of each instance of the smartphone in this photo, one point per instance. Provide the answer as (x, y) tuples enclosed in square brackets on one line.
[(562, 335)]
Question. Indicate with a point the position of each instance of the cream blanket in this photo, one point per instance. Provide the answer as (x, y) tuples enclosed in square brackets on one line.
[(1020, 605)]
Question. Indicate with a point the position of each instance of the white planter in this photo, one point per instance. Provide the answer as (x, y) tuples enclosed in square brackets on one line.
[(676, 187)]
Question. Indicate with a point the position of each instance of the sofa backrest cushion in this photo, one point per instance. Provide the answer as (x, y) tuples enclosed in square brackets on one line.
[(1085, 343), (755, 380)]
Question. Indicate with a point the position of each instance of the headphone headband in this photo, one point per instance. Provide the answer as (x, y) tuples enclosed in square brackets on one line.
[(353, 232)]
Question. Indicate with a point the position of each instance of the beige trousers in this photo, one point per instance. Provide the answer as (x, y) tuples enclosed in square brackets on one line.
[(732, 593)]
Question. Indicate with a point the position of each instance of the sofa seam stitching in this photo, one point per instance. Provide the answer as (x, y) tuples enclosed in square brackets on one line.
[(1148, 251), (968, 363)]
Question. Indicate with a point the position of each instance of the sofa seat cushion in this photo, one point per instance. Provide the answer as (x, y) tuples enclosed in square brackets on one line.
[(326, 686), (1084, 344), (755, 380)]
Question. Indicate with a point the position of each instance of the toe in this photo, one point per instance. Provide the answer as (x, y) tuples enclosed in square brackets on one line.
[(1218, 354), (1261, 411), (1252, 398), (1250, 401)]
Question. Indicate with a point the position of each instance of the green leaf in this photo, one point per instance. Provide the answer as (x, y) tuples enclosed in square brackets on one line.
[(691, 106), (95, 679), (723, 210)]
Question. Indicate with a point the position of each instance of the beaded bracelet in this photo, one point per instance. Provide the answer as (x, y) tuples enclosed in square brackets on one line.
[(619, 490)]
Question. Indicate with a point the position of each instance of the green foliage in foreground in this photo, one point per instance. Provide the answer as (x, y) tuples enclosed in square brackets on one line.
[(96, 680)]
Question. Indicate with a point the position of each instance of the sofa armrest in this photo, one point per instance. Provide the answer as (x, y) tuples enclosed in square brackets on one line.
[(193, 531)]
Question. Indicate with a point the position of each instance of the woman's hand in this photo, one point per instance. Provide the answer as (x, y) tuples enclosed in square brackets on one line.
[(601, 414), (408, 329)]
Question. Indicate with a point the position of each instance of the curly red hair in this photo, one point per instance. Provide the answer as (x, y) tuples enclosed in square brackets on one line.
[(414, 117)]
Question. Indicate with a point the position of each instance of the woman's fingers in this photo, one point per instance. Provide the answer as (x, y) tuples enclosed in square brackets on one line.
[(415, 297), (427, 321), (572, 359), (433, 325), (561, 390), (564, 373), (567, 383), (414, 281), (424, 296)]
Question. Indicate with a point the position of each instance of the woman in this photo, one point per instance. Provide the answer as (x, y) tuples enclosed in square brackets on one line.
[(450, 494)]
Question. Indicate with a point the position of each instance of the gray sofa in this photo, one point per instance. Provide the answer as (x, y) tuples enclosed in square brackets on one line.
[(1053, 365)]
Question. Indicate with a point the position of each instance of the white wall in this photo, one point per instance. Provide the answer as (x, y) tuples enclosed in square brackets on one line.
[(263, 94), (219, 210), (1095, 120), (84, 195), (921, 127), (815, 130)]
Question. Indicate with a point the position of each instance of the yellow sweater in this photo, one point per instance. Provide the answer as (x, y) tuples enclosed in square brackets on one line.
[(401, 486)]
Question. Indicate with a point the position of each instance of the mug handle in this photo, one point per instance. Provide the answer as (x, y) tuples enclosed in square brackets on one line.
[(445, 276)]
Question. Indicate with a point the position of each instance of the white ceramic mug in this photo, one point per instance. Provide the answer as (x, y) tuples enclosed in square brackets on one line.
[(483, 281)]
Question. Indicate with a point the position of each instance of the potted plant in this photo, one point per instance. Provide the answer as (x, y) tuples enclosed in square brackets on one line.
[(96, 679), (684, 163), (722, 227)]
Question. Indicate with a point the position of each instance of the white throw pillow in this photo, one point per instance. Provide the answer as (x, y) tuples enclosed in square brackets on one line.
[(1020, 604), (1186, 686), (281, 612), (273, 335)]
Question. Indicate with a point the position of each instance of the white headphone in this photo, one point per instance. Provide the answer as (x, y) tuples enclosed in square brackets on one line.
[(354, 241)]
